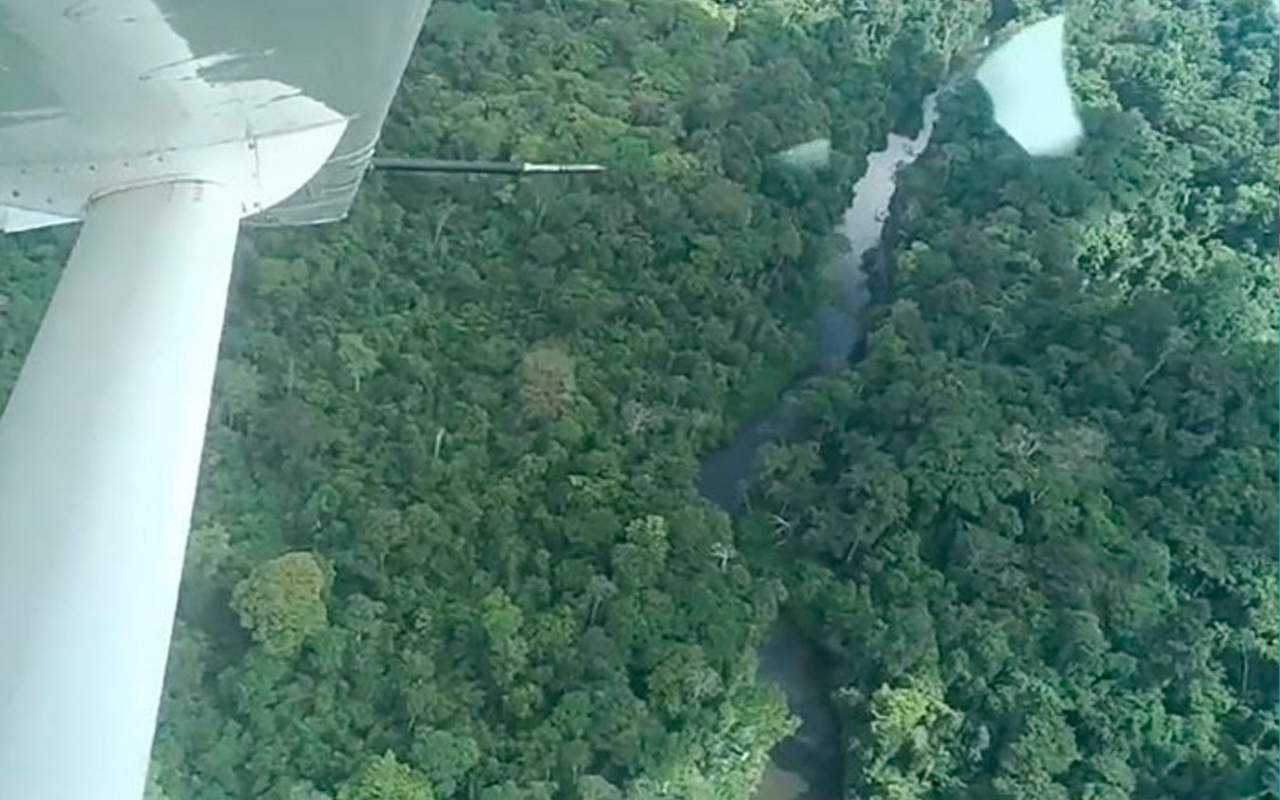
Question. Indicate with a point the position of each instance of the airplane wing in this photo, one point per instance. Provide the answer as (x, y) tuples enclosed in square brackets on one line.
[(90, 86), (348, 54), (162, 124)]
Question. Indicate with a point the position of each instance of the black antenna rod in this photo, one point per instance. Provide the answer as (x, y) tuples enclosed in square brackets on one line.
[(436, 165)]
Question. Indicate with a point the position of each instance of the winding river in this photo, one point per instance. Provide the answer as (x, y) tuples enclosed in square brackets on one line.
[(809, 765)]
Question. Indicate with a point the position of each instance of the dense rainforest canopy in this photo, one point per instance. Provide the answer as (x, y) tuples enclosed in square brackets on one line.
[(448, 542)]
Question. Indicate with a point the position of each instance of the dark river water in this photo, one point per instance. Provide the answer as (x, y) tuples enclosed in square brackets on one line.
[(809, 764)]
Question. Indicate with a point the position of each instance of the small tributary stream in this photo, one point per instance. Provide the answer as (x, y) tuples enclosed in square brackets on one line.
[(809, 765)]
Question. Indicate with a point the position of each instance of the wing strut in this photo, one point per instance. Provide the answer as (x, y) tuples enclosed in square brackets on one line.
[(99, 453)]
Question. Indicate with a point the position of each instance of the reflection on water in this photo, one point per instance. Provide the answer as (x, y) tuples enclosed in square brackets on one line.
[(778, 784), (840, 326), (808, 765)]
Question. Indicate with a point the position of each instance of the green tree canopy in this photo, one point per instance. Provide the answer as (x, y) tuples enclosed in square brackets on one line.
[(282, 601)]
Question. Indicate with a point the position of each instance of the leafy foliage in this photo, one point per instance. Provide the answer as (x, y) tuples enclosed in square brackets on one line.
[(282, 601), (447, 543), (1024, 551)]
